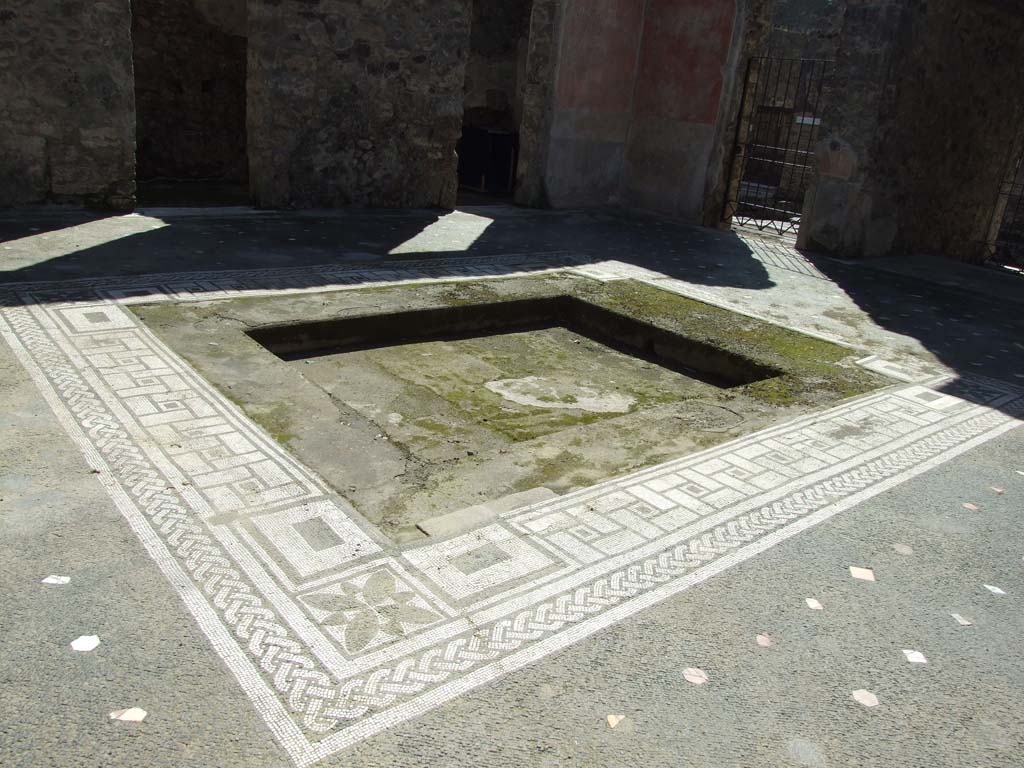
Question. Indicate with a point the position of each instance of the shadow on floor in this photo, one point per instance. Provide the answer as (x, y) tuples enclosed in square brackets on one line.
[(159, 241), (967, 332), (970, 328)]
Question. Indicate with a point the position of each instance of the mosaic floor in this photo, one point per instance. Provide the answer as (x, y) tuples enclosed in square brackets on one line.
[(335, 633)]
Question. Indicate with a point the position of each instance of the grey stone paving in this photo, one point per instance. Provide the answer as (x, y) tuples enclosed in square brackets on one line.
[(925, 451)]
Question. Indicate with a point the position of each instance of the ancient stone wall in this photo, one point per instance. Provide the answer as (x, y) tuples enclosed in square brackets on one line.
[(951, 129), (229, 16), (846, 212), (355, 103), (927, 108), (67, 117), (806, 29), (189, 93)]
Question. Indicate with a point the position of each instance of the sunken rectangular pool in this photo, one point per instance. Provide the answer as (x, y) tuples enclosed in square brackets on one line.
[(421, 400)]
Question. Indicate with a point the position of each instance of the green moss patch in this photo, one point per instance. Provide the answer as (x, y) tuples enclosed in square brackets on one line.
[(412, 430)]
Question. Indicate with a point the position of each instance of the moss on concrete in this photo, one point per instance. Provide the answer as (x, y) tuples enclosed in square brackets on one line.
[(279, 422), (408, 432), (554, 473), (810, 366), (276, 421)]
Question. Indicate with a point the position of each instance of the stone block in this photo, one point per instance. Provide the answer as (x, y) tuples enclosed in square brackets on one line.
[(479, 515), (835, 159), (324, 77), (66, 101), (829, 208)]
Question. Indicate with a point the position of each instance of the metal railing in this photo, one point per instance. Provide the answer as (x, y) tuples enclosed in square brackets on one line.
[(1008, 247), (773, 161)]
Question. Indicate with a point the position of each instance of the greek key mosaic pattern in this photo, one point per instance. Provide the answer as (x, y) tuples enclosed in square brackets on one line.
[(334, 632)]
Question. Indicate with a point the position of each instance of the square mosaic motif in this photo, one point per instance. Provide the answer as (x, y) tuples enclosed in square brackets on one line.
[(334, 632), (315, 537), (466, 565)]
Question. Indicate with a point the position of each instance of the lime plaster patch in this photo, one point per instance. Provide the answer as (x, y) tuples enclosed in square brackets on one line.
[(542, 392)]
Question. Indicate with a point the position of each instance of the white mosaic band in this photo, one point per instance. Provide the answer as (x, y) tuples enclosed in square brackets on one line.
[(334, 632)]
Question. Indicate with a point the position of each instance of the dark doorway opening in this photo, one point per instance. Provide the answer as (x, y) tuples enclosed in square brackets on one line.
[(492, 107), (190, 67)]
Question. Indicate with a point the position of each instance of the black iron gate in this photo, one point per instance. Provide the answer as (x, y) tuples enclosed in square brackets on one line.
[(1008, 247), (779, 123)]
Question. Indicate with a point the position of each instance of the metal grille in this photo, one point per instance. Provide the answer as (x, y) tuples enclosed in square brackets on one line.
[(773, 161), (1009, 245)]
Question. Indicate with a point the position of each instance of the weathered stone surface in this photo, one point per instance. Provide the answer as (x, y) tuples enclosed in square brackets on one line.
[(835, 159), (230, 16), (836, 214), (927, 96), (953, 126), (23, 166), (189, 91), (477, 515), (67, 119), (355, 103), (806, 29)]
